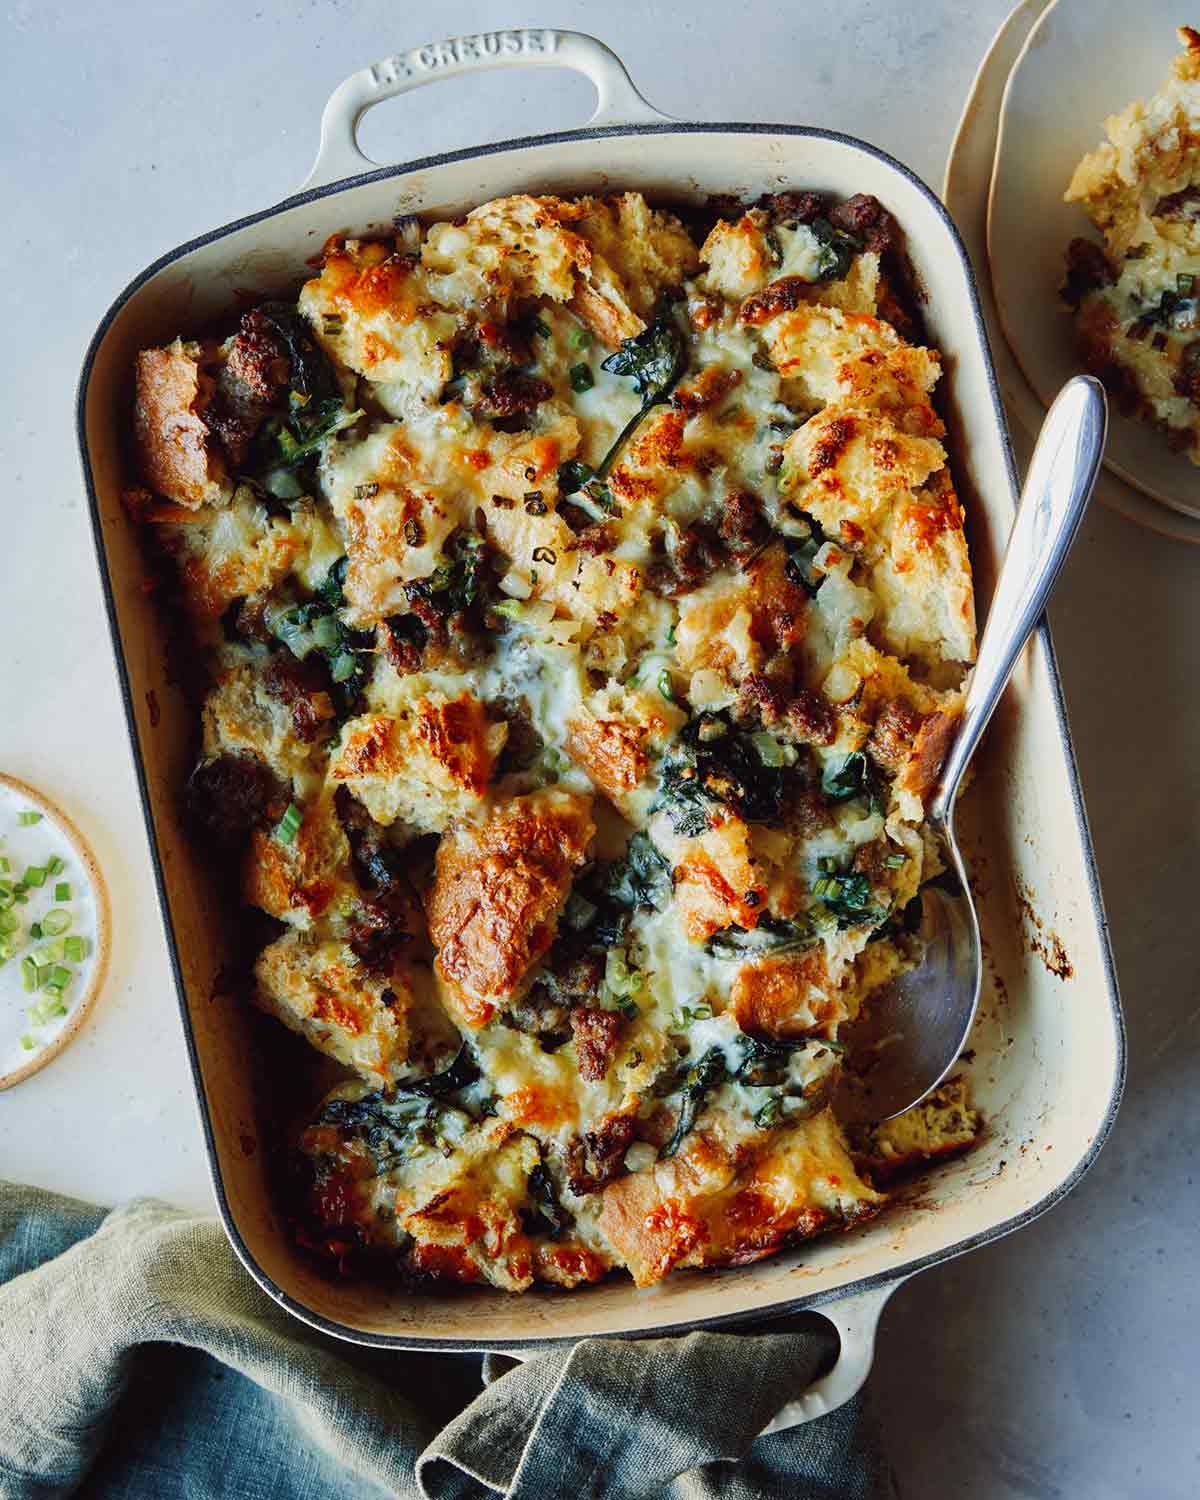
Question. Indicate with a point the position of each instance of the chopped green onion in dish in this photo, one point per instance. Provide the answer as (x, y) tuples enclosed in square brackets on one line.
[(75, 949), (582, 378), (62, 891), (29, 975), (54, 865), (34, 875), (53, 953), (60, 977), (289, 825), (28, 819), (35, 931), (28, 1042), (8, 923), (56, 921)]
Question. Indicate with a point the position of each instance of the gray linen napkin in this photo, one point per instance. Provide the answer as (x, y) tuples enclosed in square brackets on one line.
[(138, 1360)]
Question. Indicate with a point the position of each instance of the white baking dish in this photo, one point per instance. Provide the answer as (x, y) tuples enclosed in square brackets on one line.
[(1049, 1052)]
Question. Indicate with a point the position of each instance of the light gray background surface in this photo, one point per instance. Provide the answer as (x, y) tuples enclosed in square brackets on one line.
[(1061, 1361)]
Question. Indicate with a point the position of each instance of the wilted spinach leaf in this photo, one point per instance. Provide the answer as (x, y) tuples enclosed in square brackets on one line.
[(698, 1082), (546, 1214), (711, 761), (855, 777)]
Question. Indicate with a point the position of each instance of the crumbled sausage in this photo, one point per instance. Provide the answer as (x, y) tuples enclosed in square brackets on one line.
[(382, 926), (811, 718), (513, 393), (594, 540), (760, 699), (743, 528), (596, 1032), (304, 687), (596, 1157), (1087, 269), (792, 207), (891, 740), (227, 797), (866, 218), (783, 295), (401, 639), (696, 553)]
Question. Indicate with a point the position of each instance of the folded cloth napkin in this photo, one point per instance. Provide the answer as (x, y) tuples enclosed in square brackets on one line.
[(138, 1360)]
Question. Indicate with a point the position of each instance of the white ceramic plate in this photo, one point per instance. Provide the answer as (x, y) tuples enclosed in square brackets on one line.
[(965, 192), (1084, 60)]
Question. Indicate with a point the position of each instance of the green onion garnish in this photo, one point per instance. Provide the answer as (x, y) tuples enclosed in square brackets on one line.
[(344, 666), (35, 931), (54, 865), (582, 338), (29, 975), (28, 1042), (53, 953), (62, 891), (665, 686), (34, 875), (56, 921), (59, 978), (289, 825), (582, 378), (894, 861), (75, 949), (511, 609), (28, 819), (8, 949), (4, 863), (8, 922)]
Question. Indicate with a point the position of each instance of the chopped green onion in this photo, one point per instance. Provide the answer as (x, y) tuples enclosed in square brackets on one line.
[(771, 752), (827, 865), (8, 922), (665, 685), (59, 978), (326, 632), (35, 931), (824, 887), (54, 865), (62, 891), (331, 323), (28, 819), (8, 949), (75, 949), (56, 921), (582, 338), (4, 863), (53, 953), (28, 1042), (29, 975), (289, 825), (894, 861), (582, 378), (511, 609), (1184, 283), (344, 667), (34, 875)]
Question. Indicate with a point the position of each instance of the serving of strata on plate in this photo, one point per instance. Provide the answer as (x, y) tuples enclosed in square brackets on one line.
[(1136, 295), (584, 607)]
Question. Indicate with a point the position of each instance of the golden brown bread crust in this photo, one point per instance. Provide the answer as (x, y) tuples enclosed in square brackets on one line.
[(176, 454), (497, 893), (788, 996)]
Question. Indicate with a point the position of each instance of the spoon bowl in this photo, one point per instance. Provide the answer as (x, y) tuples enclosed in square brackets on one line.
[(912, 1031)]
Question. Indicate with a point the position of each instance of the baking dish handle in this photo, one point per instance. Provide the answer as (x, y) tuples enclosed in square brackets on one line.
[(856, 1319), (618, 101)]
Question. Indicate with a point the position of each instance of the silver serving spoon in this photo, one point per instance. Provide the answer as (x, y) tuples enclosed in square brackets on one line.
[(911, 1033)]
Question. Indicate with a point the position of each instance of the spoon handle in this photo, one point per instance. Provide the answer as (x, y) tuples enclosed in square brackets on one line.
[(1057, 489)]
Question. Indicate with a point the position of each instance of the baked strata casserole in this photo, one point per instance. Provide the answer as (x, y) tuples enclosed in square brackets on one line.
[(584, 606), (1137, 295)]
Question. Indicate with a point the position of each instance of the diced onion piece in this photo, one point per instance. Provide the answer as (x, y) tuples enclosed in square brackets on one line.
[(516, 584), (709, 689), (841, 684), (640, 1157)]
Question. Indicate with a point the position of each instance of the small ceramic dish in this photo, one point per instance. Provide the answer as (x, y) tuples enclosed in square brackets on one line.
[(1083, 61), (965, 193), (64, 836)]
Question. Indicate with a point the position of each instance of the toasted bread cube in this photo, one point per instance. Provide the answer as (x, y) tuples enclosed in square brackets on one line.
[(178, 456), (837, 356), (942, 1125), (307, 879), (715, 1205), (426, 764), (790, 996), (372, 312), (320, 990), (497, 895)]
